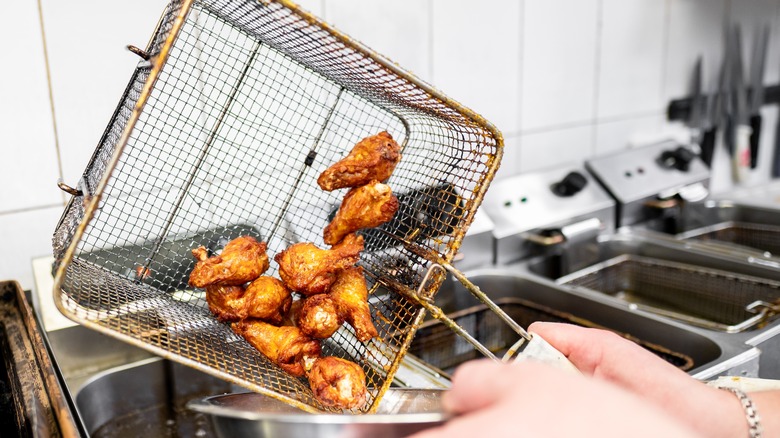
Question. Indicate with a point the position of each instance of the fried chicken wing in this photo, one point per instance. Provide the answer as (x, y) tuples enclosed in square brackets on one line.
[(222, 301), (373, 157), (266, 298), (350, 293), (338, 383), (319, 316), (291, 318), (307, 269), (285, 346), (242, 260), (367, 206)]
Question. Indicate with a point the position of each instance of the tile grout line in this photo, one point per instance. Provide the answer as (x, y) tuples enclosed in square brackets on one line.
[(51, 96), (589, 122), (28, 209), (430, 41), (596, 75), (520, 81), (665, 51)]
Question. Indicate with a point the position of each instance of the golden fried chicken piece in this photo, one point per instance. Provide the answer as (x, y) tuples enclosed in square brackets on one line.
[(373, 157), (285, 346), (367, 206), (242, 260), (319, 316), (338, 383), (221, 301), (307, 269), (350, 293), (266, 298), (291, 318)]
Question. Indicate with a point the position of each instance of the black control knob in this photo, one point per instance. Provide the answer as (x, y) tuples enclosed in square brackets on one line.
[(679, 159), (570, 185)]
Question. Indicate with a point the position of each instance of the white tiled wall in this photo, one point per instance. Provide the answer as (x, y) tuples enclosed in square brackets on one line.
[(563, 79)]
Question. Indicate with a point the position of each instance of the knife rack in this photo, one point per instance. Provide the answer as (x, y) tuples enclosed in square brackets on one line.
[(679, 109)]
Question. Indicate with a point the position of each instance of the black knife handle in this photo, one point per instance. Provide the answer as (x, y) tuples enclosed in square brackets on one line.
[(728, 136), (707, 145), (755, 137)]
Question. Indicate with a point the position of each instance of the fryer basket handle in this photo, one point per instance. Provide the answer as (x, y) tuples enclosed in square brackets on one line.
[(540, 350), (535, 348)]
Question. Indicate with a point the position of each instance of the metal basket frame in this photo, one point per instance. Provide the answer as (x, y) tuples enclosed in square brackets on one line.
[(159, 320)]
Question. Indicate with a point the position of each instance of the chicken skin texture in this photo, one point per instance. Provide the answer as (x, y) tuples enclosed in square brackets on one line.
[(309, 270), (338, 383), (266, 298), (285, 346), (291, 318), (373, 157), (319, 316), (367, 206), (350, 293), (242, 260)]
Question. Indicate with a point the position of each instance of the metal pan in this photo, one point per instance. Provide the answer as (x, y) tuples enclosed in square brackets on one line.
[(401, 412)]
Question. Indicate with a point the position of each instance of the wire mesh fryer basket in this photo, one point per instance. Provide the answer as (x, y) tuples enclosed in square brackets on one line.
[(222, 131)]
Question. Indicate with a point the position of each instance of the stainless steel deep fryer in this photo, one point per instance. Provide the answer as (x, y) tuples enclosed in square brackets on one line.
[(233, 111), (705, 297), (439, 346)]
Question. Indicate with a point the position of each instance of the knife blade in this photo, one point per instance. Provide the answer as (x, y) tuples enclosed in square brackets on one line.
[(758, 62), (696, 116), (740, 158), (717, 112)]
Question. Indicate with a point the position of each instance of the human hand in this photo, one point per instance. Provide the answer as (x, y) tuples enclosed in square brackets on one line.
[(535, 400), (607, 356)]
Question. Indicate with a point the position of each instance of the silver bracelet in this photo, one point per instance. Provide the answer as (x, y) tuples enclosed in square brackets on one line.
[(753, 420)]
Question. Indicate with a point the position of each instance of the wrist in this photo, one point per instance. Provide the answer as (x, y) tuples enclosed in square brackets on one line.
[(768, 405), (752, 417), (720, 415)]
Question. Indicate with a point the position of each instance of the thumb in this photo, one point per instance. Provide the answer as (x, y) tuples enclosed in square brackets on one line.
[(475, 385)]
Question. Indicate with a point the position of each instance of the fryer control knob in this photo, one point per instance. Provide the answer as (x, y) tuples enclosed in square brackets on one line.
[(570, 185), (679, 159)]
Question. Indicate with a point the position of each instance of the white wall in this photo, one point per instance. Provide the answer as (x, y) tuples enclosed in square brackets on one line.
[(563, 79)]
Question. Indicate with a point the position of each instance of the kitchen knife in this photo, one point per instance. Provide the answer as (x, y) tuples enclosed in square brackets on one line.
[(696, 116), (716, 116), (758, 62), (740, 117), (776, 158), (713, 117)]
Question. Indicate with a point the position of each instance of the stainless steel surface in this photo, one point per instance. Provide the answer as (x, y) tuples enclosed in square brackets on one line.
[(660, 246), (81, 353), (414, 373), (401, 413), (664, 247), (524, 207), (751, 228), (239, 108), (147, 398), (637, 180), (33, 402), (528, 298), (476, 249), (709, 298)]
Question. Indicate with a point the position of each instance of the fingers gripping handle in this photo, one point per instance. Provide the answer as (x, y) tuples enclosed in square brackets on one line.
[(541, 351)]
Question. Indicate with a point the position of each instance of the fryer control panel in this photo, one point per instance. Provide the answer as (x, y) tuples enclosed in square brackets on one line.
[(534, 200), (647, 172)]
